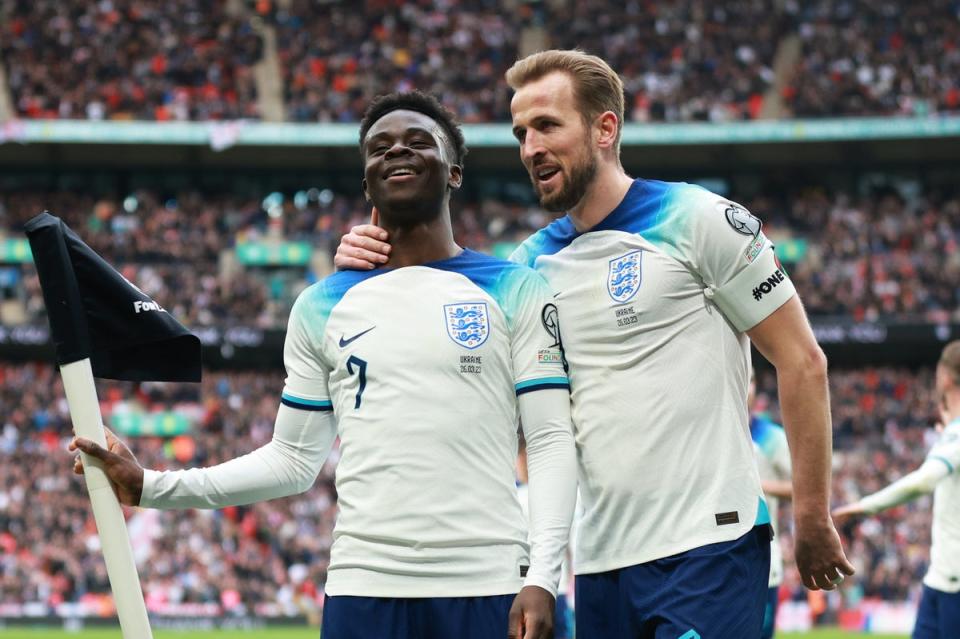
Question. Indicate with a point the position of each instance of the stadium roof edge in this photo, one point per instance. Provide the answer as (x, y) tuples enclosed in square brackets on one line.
[(223, 135)]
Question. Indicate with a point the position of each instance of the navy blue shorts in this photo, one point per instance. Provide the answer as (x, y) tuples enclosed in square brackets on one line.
[(938, 616), (717, 591), (347, 617), (770, 613)]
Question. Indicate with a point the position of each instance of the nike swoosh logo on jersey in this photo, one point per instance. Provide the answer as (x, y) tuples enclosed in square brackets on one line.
[(344, 342)]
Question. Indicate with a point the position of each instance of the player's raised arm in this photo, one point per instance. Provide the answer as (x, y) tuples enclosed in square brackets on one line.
[(786, 340), (920, 482), (303, 435), (941, 462)]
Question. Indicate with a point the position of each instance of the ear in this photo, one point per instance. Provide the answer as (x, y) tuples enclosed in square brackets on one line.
[(607, 124), (363, 185), (456, 177)]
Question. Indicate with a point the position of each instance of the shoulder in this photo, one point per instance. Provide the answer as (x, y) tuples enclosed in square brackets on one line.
[(321, 297), (668, 214), (549, 240), (495, 276), (694, 205)]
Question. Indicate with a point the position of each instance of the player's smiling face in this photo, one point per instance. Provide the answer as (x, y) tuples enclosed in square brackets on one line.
[(409, 166), (555, 142)]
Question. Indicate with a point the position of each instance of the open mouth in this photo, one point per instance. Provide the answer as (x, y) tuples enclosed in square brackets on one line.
[(400, 174), (546, 174)]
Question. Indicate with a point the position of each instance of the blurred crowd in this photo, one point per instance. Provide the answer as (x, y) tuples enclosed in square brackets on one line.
[(129, 59), (879, 255), (271, 558), (681, 60), (877, 57), (884, 423)]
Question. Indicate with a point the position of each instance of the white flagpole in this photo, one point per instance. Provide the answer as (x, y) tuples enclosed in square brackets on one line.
[(117, 552)]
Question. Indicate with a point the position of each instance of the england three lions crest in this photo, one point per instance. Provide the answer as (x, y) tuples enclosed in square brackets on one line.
[(623, 276), (468, 324)]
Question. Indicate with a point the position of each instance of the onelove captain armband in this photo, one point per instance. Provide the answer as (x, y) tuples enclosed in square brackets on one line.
[(754, 293)]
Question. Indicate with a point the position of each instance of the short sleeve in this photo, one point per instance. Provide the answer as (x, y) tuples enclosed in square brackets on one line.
[(536, 344), (307, 376), (737, 263), (947, 448)]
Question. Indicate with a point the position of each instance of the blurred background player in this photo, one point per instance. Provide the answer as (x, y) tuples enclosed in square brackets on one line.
[(939, 613), (662, 286), (420, 370), (776, 479)]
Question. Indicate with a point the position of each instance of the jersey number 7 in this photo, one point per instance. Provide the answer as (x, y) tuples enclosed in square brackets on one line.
[(361, 373)]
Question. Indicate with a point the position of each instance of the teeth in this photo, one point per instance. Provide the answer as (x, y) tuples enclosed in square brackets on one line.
[(401, 172), (542, 173)]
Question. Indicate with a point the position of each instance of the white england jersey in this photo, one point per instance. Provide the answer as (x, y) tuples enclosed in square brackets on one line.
[(654, 301), (773, 463), (422, 366), (944, 571)]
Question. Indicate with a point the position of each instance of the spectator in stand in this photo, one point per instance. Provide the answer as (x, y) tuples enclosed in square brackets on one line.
[(128, 60), (869, 57), (680, 60), (222, 559), (870, 257)]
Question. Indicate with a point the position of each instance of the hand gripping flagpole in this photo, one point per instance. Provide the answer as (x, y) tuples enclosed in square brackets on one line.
[(117, 552), (104, 326)]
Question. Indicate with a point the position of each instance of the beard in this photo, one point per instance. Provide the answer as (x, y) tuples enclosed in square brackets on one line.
[(572, 190)]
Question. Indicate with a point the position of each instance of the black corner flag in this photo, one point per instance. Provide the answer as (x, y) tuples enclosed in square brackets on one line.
[(95, 312)]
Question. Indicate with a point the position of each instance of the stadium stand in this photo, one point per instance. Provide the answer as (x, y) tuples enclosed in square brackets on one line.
[(876, 58), (680, 60), (879, 255), (870, 246), (270, 558), (181, 60)]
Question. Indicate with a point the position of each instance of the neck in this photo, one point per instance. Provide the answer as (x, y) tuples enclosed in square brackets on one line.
[(605, 193), (952, 413), (420, 242)]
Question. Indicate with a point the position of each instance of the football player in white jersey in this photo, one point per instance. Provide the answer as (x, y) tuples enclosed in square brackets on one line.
[(423, 370), (939, 613), (661, 287), (773, 463)]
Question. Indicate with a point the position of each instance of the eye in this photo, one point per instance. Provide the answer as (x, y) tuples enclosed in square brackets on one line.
[(520, 134)]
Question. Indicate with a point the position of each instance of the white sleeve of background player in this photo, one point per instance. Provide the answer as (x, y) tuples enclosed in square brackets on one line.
[(920, 482), (947, 449), (781, 457), (288, 465), (303, 435), (737, 263), (552, 469)]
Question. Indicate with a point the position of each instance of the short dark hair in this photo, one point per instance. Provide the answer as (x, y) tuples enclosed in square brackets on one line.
[(422, 103)]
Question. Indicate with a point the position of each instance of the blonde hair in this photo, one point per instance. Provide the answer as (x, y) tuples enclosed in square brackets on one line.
[(596, 87)]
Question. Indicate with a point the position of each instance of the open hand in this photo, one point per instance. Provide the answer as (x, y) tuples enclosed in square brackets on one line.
[(364, 247)]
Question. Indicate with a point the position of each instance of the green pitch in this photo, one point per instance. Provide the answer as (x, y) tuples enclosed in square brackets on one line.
[(314, 633)]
